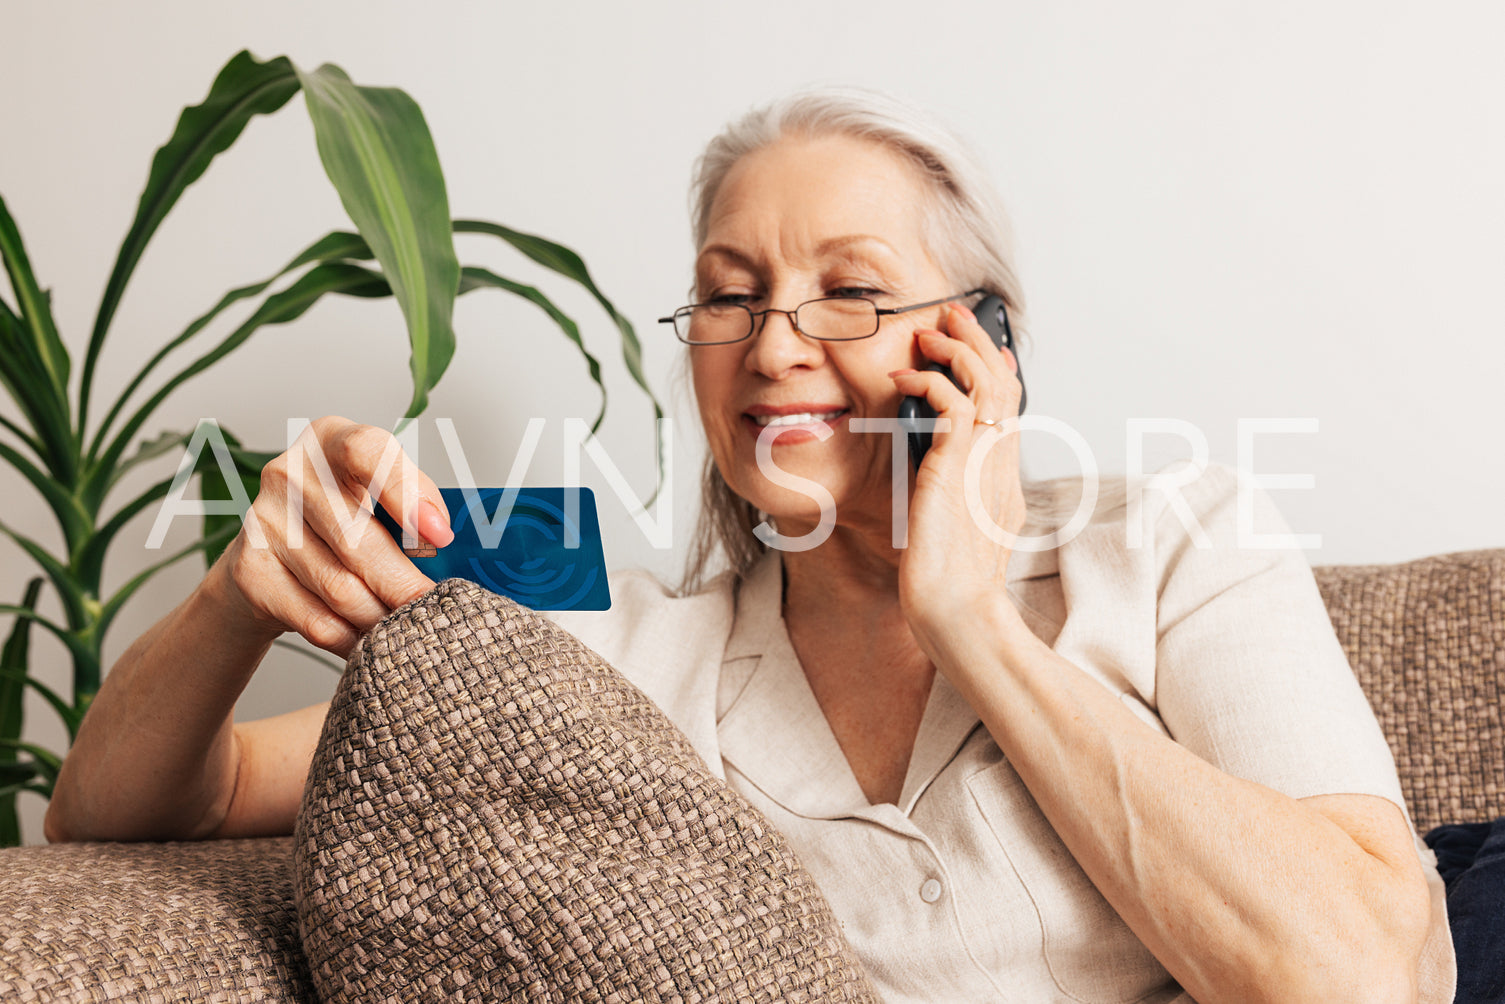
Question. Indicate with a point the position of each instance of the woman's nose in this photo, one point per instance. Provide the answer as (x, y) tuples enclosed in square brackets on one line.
[(777, 346)]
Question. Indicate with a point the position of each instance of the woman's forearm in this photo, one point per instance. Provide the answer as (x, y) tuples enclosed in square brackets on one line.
[(1243, 893), (156, 756)]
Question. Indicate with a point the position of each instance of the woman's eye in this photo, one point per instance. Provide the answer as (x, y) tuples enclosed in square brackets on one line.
[(730, 299), (855, 291)]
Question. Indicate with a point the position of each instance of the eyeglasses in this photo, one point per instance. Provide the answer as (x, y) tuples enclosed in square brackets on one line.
[(829, 319)]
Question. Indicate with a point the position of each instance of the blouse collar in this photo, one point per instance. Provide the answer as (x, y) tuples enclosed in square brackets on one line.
[(776, 735)]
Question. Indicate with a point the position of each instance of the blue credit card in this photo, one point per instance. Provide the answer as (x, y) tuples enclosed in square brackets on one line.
[(536, 545)]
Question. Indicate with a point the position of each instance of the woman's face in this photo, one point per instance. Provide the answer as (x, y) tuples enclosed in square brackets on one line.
[(801, 219)]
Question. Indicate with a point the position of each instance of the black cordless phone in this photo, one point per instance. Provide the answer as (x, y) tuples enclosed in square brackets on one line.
[(994, 318)]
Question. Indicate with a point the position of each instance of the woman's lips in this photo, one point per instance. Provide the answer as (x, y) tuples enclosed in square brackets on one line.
[(792, 426)]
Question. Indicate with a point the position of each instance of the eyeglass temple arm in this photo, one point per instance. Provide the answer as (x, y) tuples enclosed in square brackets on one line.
[(884, 311)]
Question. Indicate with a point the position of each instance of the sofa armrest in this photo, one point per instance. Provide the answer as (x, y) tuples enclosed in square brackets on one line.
[(207, 921), (1427, 641)]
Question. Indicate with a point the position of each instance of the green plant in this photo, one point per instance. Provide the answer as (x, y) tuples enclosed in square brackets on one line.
[(377, 151)]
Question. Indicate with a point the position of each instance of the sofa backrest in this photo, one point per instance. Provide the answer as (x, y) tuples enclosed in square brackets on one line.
[(1427, 641)]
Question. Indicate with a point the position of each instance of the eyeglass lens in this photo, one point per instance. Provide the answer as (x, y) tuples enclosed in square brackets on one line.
[(832, 319)]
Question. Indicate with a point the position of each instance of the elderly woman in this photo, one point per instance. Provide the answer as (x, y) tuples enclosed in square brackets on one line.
[(1133, 766)]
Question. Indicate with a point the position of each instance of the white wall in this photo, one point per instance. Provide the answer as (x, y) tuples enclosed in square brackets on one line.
[(1224, 211)]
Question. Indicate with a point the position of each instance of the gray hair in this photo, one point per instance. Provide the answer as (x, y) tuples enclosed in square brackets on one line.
[(965, 231)]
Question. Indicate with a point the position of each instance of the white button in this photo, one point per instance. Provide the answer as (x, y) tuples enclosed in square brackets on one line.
[(930, 891)]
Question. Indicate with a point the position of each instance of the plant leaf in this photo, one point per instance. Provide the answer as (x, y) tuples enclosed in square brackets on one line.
[(279, 308), (10, 791), (12, 698), (25, 437), (13, 683), (86, 670), (36, 308), (76, 646), (213, 485), (567, 263), (70, 715), (14, 774), (38, 774), (244, 89), (150, 449), (88, 561), (472, 278), (46, 761), (377, 151), (13, 653), (112, 606), (10, 822), (59, 574), (22, 373), (72, 518), (31, 615), (338, 245)]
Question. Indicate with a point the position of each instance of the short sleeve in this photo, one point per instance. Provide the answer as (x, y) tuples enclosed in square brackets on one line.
[(1250, 675)]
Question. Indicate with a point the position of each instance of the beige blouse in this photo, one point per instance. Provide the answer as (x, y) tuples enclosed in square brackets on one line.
[(962, 891)]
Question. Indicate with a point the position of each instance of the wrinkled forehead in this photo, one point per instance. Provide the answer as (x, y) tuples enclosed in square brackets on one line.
[(804, 198)]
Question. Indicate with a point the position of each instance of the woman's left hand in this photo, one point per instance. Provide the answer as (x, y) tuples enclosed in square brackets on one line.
[(953, 555)]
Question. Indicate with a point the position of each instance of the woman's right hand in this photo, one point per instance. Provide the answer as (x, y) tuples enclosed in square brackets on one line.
[(310, 558), (159, 755)]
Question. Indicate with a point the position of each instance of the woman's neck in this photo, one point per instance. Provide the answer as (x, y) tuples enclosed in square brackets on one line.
[(847, 588), (844, 572), (865, 669)]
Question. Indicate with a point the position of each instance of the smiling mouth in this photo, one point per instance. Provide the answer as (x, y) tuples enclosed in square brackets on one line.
[(800, 418)]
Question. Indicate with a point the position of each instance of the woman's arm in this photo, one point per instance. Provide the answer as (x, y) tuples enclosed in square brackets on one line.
[(158, 755), (1242, 893)]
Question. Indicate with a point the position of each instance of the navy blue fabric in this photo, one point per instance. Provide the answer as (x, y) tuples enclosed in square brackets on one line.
[(1471, 861)]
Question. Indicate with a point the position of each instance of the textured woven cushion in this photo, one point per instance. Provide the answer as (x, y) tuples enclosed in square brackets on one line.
[(159, 923), (494, 814), (1427, 641)]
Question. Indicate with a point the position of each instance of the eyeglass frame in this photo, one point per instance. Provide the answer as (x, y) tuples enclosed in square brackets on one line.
[(752, 316)]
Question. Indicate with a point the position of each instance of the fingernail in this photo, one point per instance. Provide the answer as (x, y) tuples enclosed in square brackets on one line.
[(903, 372), (1009, 357), (431, 524), (964, 311)]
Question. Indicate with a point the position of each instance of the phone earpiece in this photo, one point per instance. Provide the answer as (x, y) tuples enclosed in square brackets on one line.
[(994, 305), (993, 316)]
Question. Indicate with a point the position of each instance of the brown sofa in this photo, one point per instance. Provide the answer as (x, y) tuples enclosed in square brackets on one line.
[(215, 921)]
